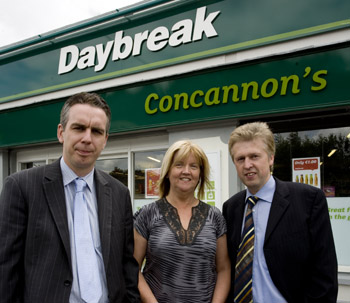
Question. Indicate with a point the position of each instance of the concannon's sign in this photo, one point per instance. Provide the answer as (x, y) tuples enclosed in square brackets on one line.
[(123, 46)]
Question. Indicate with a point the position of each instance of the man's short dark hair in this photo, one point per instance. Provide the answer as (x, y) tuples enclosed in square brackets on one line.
[(92, 99)]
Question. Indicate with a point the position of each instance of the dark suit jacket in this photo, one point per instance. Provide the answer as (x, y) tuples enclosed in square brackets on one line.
[(299, 247), (35, 258)]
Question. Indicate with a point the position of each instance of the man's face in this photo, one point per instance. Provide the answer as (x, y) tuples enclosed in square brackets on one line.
[(83, 138), (252, 163)]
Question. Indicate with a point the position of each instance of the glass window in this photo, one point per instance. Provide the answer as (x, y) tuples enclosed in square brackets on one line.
[(146, 174), (27, 165), (117, 168), (331, 147)]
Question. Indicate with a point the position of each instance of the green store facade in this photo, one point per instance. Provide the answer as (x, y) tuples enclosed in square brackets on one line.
[(194, 69)]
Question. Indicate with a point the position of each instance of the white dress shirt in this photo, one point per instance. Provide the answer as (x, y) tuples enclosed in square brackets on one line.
[(264, 290)]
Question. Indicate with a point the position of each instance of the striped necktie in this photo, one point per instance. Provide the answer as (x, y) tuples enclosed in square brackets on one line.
[(244, 263)]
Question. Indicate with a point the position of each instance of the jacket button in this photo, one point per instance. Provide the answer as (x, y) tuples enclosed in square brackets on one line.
[(67, 283)]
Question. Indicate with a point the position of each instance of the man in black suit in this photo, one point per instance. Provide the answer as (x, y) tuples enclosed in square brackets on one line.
[(39, 251), (294, 257)]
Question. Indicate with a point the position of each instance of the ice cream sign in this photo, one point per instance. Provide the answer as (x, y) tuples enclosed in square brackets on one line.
[(307, 170)]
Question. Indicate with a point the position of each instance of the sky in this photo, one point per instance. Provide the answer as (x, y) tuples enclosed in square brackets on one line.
[(23, 19)]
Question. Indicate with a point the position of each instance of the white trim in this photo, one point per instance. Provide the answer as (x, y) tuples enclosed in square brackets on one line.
[(344, 269)]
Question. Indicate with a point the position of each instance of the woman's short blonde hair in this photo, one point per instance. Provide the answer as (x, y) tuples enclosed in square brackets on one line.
[(179, 151)]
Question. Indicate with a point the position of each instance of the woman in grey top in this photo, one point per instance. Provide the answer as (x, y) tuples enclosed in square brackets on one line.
[(182, 238)]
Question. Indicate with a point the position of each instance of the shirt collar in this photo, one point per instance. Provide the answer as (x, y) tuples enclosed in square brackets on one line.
[(266, 192), (69, 175)]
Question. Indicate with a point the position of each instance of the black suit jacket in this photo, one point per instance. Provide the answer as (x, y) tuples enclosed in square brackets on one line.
[(299, 247), (35, 257)]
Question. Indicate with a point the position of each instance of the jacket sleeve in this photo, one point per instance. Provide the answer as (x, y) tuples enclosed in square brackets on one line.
[(13, 218), (131, 267), (324, 282)]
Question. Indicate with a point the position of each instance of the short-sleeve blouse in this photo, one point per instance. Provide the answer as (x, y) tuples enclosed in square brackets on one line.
[(180, 264)]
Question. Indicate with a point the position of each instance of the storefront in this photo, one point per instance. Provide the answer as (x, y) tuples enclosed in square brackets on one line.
[(188, 69)]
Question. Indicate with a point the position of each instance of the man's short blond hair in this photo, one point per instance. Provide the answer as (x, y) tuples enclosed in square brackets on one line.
[(251, 131)]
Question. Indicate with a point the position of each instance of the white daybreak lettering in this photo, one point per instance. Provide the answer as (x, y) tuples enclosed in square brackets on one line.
[(87, 57), (204, 25), (68, 59), (124, 46), (158, 39), (103, 55), (182, 31)]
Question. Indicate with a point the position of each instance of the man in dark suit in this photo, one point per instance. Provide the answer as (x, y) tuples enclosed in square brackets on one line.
[(40, 250), (294, 257)]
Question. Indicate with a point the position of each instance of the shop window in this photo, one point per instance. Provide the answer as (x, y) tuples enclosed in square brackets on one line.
[(321, 158), (117, 168), (27, 165), (146, 174)]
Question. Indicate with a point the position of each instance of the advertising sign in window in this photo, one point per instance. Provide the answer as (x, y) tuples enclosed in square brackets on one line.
[(151, 182), (307, 170), (339, 213), (212, 194)]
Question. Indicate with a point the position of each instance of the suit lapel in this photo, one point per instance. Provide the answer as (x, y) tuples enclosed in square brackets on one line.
[(56, 199), (238, 219), (104, 202), (278, 207)]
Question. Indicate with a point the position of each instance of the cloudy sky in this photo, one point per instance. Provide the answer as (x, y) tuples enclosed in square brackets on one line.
[(22, 19)]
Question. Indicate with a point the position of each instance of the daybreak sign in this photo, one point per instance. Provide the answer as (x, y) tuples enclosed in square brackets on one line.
[(123, 46)]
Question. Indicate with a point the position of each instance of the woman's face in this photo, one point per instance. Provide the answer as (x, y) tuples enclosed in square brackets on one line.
[(184, 175)]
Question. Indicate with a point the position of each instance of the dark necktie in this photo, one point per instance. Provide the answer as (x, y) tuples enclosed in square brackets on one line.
[(244, 263)]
